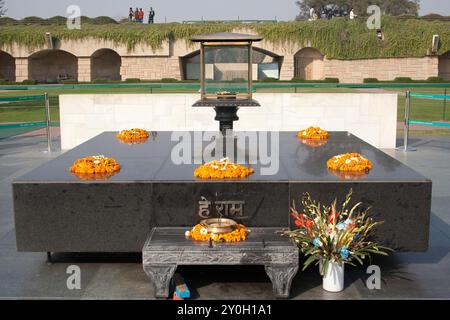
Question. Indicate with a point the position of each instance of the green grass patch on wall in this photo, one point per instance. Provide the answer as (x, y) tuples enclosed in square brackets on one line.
[(338, 38)]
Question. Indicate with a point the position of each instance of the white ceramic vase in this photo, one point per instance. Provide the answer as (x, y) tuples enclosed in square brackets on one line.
[(333, 279)]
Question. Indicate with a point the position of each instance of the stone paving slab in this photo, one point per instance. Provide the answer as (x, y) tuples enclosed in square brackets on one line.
[(404, 275)]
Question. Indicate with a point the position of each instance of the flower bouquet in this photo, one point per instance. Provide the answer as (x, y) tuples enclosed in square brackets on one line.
[(332, 237)]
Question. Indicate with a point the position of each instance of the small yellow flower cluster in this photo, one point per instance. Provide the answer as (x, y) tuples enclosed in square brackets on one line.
[(95, 165), (134, 135), (199, 233), (313, 133), (349, 162), (222, 169)]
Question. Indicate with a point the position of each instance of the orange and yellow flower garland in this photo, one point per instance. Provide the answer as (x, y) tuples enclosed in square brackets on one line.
[(134, 135), (222, 169), (349, 162), (313, 133), (95, 165), (199, 233)]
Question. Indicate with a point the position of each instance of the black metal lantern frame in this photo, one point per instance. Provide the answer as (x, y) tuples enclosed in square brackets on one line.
[(226, 103)]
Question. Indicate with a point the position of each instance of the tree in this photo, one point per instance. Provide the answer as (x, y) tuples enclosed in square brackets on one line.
[(388, 7), (2, 8)]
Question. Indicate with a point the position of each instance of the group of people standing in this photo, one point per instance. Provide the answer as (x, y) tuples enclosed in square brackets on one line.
[(138, 15), (330, 11)]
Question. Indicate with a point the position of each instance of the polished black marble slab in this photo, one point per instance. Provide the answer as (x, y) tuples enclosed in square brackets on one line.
[(57, 211), (151, 161)]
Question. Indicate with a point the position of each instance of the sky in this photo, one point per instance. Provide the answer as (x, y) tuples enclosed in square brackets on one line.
[(179, 10)]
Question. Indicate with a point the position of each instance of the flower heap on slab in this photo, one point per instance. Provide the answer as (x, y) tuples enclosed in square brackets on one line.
[(95, 165), (349, 162), (134, 135), (313, 133), (199, 233), (222, 169), (327, 234), (347, 175)]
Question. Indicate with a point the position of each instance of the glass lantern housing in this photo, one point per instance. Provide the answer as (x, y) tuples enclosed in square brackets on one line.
[(226, 66)]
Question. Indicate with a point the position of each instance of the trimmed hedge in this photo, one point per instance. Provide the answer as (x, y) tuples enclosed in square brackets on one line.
[(337, 38)]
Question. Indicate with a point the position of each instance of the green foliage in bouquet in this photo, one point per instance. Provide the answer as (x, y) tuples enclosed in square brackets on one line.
[(325, 234)]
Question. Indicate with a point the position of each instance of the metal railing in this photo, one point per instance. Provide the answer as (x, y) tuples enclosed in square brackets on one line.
[(42, 97), (407, 121)]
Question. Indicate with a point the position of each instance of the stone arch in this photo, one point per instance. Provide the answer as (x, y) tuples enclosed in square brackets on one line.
[(268, 64), (308, 64), (444, 66), (50, 66), (7, 66), (105, 64)]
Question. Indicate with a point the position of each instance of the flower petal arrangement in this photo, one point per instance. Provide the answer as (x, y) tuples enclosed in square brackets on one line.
[(95, 165), (313, 133), (314, 143), (222, 169), (349, 162), (200, 233), (325, 234), (134, 135)]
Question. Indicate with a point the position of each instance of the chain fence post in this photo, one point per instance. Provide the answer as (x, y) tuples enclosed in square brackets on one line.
[(48, 123), (445, 104), (405, 146)]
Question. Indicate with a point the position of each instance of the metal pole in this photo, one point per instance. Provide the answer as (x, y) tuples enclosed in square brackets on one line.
[(48, 123), (445, 104), (406, 125)]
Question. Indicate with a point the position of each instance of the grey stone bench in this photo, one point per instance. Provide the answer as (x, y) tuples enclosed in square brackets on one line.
[(167, 248)]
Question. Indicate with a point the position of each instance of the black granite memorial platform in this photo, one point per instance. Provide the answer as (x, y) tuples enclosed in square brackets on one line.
[(55, 211)]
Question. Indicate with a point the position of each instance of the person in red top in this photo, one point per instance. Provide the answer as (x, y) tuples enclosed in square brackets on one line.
[(141, 15)]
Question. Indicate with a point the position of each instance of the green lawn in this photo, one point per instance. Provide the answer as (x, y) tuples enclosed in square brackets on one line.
[(424, 109)]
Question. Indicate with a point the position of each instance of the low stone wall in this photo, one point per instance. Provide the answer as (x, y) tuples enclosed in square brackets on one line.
[(354, 71), (370, 116)]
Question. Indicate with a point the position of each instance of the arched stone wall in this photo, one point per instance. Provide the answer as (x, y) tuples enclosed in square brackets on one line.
[(444, 66), (309, 64), (50, 66), (7, 66), (105, 64)]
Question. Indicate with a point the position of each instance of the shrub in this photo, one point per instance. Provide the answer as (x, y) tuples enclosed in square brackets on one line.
[(168, 80), (100, 80), (331, 80), (29, 82), (370, 80), (435, 79), (132, 80), (403, 79), (296, 79), (268, 79), (69, 81), (4, 82)]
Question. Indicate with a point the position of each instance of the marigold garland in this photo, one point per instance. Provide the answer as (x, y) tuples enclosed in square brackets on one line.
[(313, 133), (314, 143), (199, 233), (349, 162), (349, 175), (222, 169), (95, 164), (134, 135), (94, 176)]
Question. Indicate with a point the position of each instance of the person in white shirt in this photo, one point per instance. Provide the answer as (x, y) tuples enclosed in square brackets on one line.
[(352, 15), (312, 12)]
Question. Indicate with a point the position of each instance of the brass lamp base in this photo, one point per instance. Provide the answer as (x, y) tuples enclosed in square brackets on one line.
[(219, 225)]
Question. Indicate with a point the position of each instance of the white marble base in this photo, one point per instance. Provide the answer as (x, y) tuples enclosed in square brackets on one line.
[(370, 116)]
